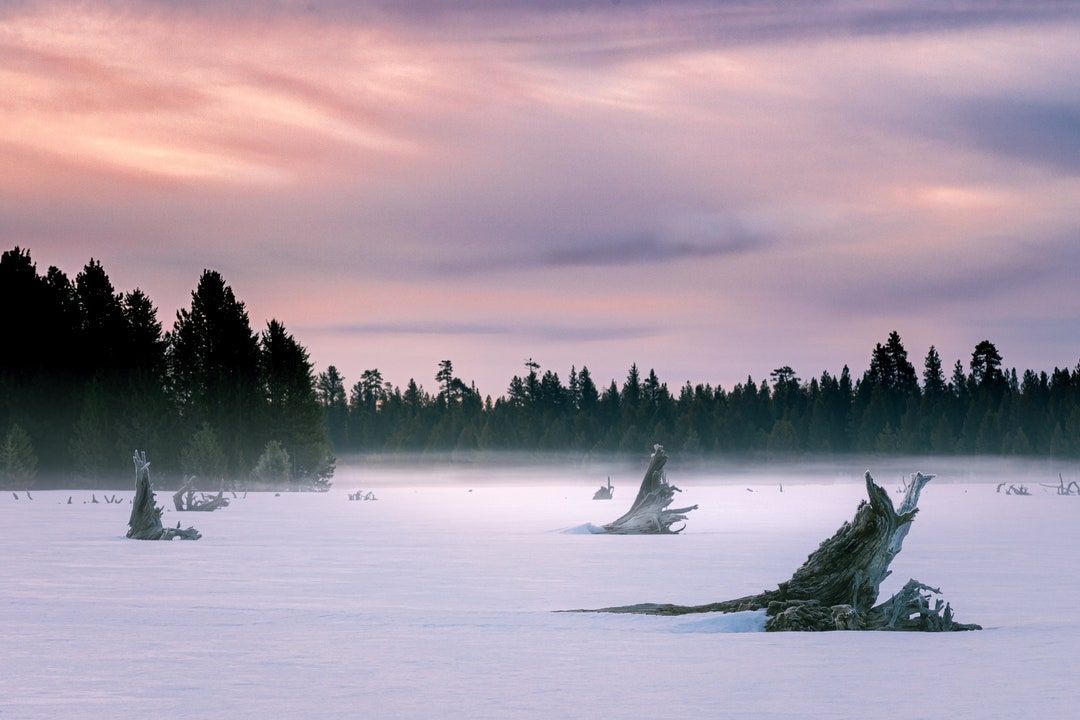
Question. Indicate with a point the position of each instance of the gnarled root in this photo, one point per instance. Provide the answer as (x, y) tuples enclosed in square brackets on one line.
[(184, 499), (649, 514), (837, 587)]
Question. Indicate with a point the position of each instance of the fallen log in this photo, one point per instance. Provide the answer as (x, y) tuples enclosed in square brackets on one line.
[(145, 520), (649, 514), (837, 587)]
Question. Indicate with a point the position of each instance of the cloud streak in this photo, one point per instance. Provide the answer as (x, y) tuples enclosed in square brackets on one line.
[(590, 253), (1045, 132), (555, 333)]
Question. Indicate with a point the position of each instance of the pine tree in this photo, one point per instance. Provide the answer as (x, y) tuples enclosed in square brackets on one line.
[(933, 377), (18, 462), (692, 443), (631, 390), (103, 332), (203, 456), (445, 379), (782, 439), (650, 390), (574, 389), (986, 365), (145, 416), (903, 379), (293, 414), (943, 439), (273, 468), (589, 397), (214, 365), (330, 390), (91, 438), (887, 440)]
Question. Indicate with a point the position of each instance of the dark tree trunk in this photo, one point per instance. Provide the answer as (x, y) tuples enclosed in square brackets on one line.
[(145, 521), (649, 514), (837, 587)]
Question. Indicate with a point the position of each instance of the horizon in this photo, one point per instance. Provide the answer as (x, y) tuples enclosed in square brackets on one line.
[(710, 191)]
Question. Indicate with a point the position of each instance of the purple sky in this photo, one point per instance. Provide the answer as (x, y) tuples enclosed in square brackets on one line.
[(710, 189)]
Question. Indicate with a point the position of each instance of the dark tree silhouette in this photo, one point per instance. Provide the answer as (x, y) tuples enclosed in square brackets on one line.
[(214, 367), (86, 372)]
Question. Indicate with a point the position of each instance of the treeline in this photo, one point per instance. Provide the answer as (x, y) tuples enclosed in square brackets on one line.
[(980, 408), (87, 374)]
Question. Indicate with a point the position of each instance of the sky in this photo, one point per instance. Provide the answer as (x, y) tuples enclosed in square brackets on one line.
[(710, 189)]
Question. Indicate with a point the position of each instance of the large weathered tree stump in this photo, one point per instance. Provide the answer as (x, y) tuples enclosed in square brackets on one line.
[(145, 520), (837, 587), (649, 514), (184, 499)]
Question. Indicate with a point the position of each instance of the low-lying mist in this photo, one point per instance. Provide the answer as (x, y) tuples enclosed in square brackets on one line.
[(522, 468)]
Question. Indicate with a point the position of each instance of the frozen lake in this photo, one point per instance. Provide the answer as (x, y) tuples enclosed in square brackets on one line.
[(435, 602)]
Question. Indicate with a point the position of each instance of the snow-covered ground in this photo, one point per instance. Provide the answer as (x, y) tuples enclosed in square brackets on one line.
[(435, 602)]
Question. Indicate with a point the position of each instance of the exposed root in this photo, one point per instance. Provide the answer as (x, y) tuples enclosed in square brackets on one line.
[(837, 587), (649, 514)]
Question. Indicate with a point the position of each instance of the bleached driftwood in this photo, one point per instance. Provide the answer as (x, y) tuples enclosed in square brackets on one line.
[(1017, 490), (649, 514), (1073, 488), (361, 495), (606, 492), (184, 499), (837, 587), (145, 520)]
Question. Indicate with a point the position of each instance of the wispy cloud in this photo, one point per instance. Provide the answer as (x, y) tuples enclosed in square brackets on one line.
[(1045, 132), (600, 27), (599, 253), (991, 273), (526, 330), (641, 250)]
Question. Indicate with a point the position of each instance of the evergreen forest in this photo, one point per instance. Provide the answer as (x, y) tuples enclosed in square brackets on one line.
[(88, 373)]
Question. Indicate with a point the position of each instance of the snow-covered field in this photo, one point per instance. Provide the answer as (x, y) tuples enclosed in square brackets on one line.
[(435, 602)]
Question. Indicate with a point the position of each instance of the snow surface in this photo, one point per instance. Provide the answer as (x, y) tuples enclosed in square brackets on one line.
[(435, 602)]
